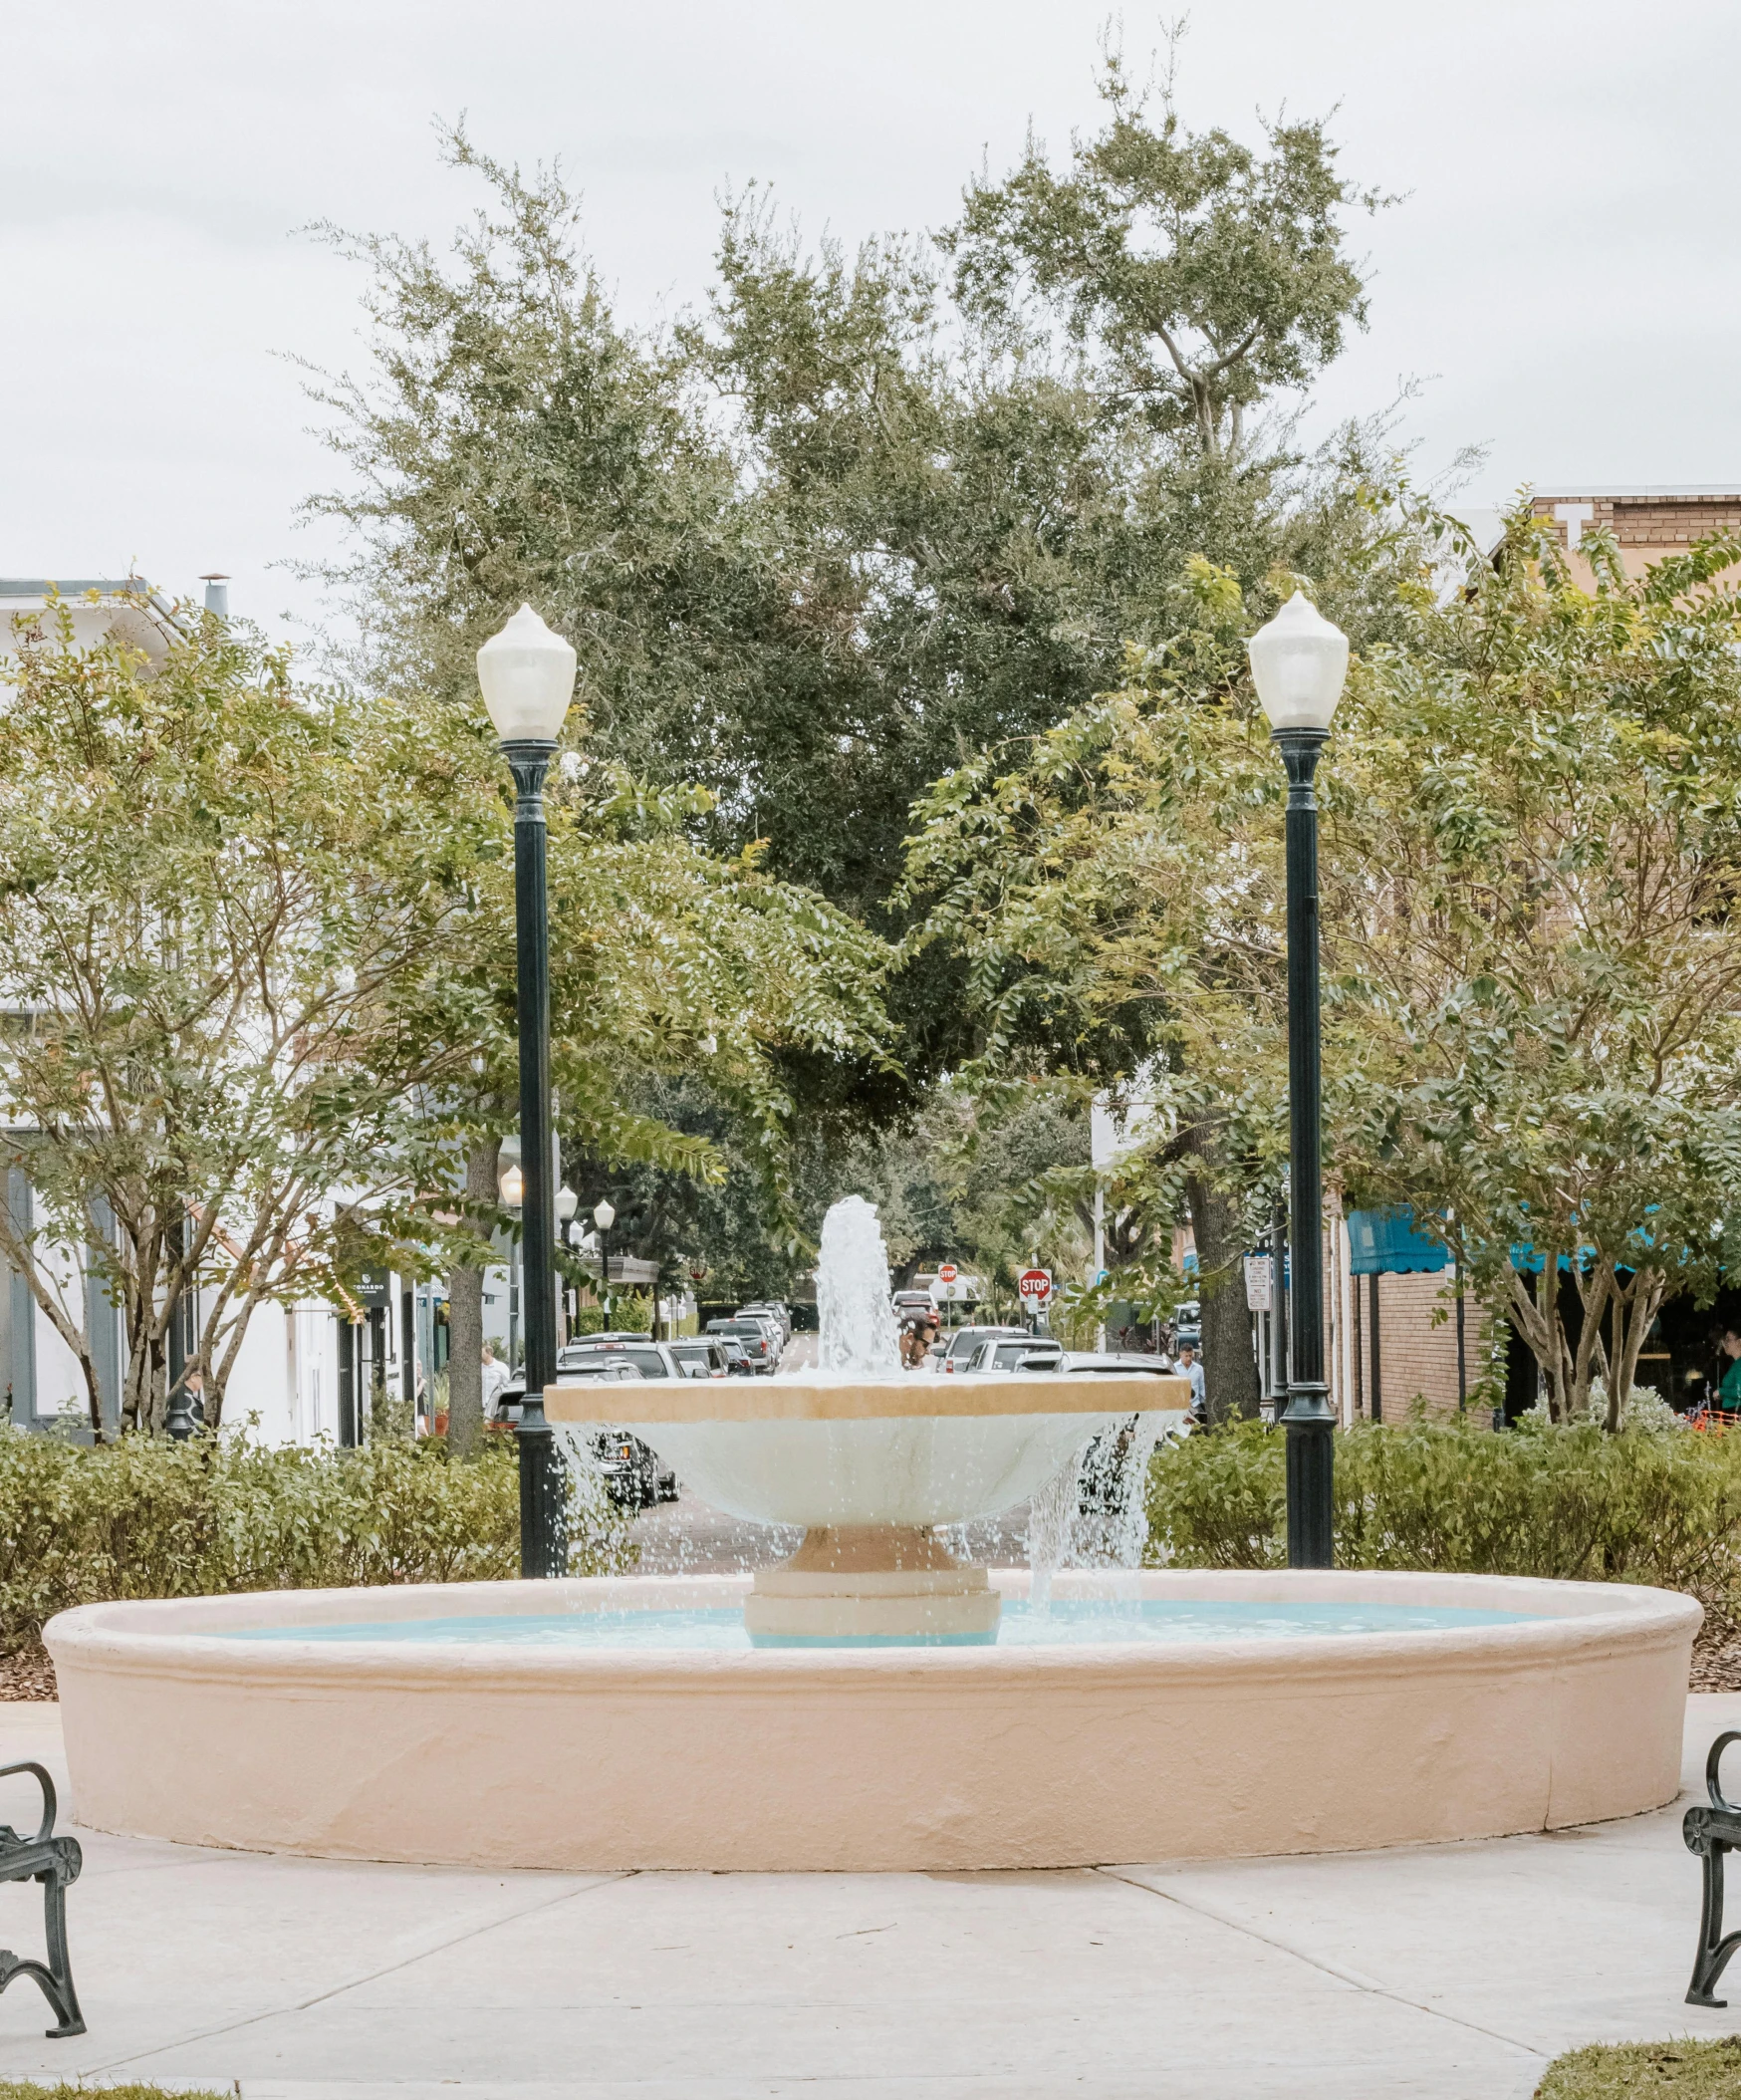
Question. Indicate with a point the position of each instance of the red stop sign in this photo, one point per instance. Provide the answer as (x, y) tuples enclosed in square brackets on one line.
[(1035, 1286), (946, 1272)]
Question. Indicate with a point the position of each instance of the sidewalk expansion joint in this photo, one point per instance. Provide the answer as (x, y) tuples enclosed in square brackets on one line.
[(337, 1991), (1352, 1977)]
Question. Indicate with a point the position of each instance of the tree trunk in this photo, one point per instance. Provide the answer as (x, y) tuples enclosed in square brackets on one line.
[(465, 1318), (1230, 1382)]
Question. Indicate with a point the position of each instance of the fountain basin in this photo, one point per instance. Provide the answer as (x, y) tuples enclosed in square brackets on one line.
[(492, 1753), (868, 1465)]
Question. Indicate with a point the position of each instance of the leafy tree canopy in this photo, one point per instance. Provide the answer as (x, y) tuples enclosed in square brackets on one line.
[(1200, 276), (260, 941), (1532, 980)]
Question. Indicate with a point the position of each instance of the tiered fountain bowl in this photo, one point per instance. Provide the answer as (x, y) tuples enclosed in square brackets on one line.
[(871, 1468)]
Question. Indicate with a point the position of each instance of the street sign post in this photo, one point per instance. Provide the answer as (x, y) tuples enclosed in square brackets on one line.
[(1035, 1286)]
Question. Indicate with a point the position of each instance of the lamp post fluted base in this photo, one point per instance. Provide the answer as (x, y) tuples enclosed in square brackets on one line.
[(544, 1545), (1311, 1426)]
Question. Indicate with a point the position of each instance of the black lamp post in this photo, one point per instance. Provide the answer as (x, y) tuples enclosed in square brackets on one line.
[(1299, 663), (527, 675)]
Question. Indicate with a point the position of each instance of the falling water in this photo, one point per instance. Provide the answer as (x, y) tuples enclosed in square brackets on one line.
[(853, 1302), (1051, 1530), (1114, 1467)]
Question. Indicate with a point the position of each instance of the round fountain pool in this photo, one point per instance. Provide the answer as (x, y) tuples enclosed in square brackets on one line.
[(1066, 1622), (624, 1723)]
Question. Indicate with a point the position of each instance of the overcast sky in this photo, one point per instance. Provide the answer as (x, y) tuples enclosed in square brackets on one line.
[(1560, 275)]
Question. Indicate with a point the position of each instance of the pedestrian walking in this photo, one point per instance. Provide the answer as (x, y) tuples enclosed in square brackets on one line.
[(494, 1378), (1729, 1392), (1189, 1367)]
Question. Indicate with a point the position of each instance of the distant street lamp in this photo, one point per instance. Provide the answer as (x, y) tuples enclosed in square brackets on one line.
[(512, 1188), (604, 1217), (1299, 663), (567, 1203), (527, 677)]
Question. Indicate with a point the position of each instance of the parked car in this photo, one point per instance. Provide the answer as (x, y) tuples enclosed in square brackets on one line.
[(630, 1469), (1026, 1355), (776, 1309), (770, 1325), (907, 1303), (1103, 1364), (954, 1351), (598, 1364), (651, 1359), (1101, 1482), (703, 1356), (634, 1478), (737, 1361), (593, 1341), (757, 1342)]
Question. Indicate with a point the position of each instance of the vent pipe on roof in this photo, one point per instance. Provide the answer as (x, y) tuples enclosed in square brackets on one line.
[(217, 594)]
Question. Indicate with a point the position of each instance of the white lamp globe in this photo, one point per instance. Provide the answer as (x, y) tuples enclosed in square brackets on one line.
[(1298, 663), (527, 675), (513, 1188), (567, 1203), (604, 1215)]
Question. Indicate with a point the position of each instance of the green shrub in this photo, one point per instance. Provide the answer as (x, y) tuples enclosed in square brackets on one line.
[(148, 1517), (589, 1320), (1575, 1503)]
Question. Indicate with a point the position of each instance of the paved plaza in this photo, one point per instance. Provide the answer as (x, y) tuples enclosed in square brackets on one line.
[(1450, 1973)]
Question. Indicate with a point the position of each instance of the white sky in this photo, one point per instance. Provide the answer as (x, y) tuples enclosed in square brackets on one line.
[(1561, 273)]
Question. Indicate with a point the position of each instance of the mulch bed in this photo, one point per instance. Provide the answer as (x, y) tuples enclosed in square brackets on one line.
[(1716, 1658), (27, 1675)]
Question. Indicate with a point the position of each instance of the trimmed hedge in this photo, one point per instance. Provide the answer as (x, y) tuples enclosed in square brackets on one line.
[(1575, 1503), (148, 1517)]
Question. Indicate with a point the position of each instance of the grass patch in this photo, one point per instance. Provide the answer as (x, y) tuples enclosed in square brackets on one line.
[(1686, 2070), (20, 2089)]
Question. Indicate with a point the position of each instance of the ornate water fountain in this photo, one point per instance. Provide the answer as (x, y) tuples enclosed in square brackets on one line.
[(872, 1460), (876, 1702)]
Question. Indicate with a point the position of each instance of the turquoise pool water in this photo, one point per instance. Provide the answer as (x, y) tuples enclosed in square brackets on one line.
[(1069, 1623)]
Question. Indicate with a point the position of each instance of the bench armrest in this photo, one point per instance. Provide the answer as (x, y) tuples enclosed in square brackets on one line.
[(48, 1793)]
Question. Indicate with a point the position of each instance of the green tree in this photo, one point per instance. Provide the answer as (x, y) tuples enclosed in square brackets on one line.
[(1113, 890), (1201, 277), (839, 530), (262, 941), (1533, 971), (1535, 833)]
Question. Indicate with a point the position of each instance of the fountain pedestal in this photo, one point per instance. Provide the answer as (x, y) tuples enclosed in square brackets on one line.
[(868, 1582)]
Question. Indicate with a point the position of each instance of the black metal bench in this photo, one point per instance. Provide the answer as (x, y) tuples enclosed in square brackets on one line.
[(1711, 1833), (54, 1861)]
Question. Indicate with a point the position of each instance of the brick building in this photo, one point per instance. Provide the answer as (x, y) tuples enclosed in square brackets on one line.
[(1646, 523)]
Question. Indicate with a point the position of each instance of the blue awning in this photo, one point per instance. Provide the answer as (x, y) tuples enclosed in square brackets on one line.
[(1386, 1243)]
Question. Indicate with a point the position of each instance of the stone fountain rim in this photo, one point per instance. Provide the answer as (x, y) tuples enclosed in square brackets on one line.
[(921, 1396), (191, 1638)]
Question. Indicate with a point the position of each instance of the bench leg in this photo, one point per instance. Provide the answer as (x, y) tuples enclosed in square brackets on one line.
[(1713, 1950), (56, 1974)]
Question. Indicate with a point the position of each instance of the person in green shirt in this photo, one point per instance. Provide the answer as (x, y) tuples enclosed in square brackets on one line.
[(1729, 1392)]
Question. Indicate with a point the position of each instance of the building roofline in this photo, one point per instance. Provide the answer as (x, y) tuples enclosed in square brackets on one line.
[(75, 587), (1640, 492)]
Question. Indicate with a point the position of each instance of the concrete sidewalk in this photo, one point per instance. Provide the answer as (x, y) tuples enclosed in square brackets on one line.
[(1447, 1973)]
